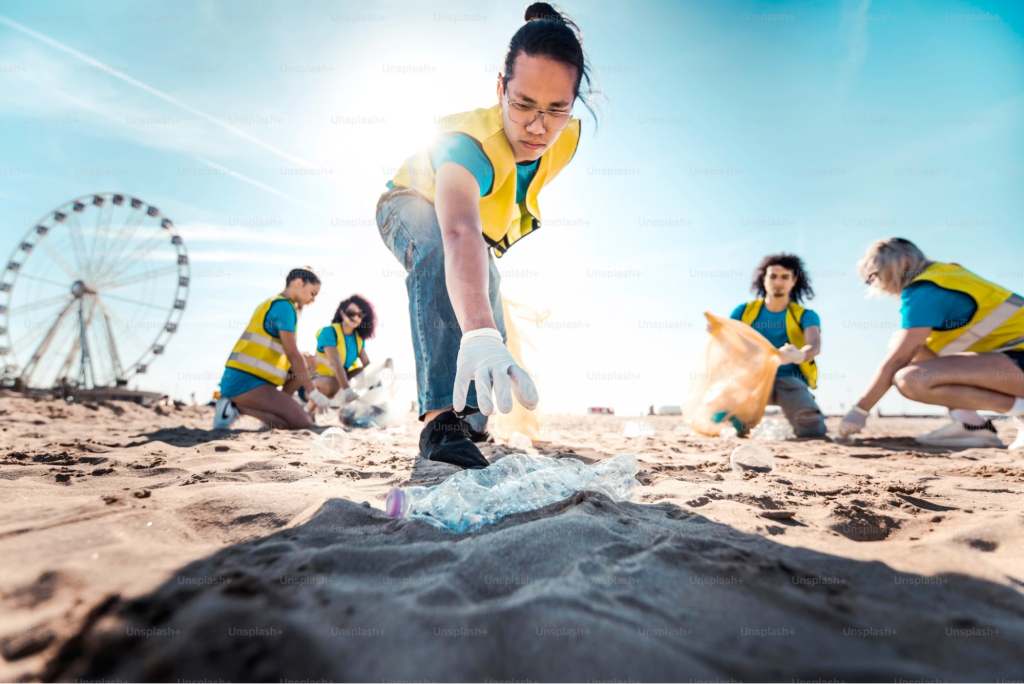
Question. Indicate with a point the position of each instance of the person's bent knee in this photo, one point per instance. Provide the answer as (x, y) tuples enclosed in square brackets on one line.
[(911, 381)]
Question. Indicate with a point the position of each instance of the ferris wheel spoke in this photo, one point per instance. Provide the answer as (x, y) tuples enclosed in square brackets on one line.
[(101, 226), (129, 300), (41, 303), (141, 251), (120, 243), (77, 243), (45, 343), (57, 259), (137, 278), (44, 280)]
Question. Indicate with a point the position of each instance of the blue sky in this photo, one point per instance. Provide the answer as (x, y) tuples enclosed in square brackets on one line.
[(727, 130)]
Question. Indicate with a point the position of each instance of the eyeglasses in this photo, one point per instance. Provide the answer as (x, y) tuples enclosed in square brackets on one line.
[(353, 314), (872, 277), (524, 114)]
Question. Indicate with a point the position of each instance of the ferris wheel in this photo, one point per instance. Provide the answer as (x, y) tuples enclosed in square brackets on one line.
[(91, 294)]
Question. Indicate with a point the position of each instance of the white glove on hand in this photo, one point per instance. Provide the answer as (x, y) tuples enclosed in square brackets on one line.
[(853, 421), (320, 399), (347, 395), (484, 359), (791, 354)]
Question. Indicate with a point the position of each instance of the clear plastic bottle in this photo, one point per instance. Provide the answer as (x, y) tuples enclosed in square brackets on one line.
[(471, 499)]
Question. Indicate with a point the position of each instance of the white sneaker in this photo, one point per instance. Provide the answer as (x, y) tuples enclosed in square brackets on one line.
[(224, 414), (1018, 443), (957, 434)]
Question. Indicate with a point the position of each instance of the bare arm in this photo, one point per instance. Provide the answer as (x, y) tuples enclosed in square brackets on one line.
[(457, 201), (364, 357), (905, 345), (334, 361), (812, 337), (291, 350)]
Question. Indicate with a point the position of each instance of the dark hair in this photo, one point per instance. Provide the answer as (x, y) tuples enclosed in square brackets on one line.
[(792, 262), (303, 273), (552, 34), (368, 325)]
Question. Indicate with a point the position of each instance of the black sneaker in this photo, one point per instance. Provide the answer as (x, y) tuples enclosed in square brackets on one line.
[(446, 439), (477, 424)]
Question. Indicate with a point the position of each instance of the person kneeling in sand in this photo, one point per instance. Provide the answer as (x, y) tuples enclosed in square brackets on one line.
[(341, 355), (257, 380), (477, 187), (961, 346), (781, 282)]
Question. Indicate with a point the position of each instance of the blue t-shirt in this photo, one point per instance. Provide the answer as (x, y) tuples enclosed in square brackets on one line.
[(329, 338), (280, 318), (461, 149), (772, 325), (926, 305)]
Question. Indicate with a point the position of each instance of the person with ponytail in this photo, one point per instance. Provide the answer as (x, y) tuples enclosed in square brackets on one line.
[(265, 367), (468, 197)]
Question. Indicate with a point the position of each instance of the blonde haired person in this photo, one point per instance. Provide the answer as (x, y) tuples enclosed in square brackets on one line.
[(961, 345)]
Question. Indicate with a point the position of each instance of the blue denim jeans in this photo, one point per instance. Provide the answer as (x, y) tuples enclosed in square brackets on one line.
[(408, 225), (794, 397)]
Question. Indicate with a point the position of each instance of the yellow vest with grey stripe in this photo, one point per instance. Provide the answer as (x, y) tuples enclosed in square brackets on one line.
[(258, 352), (504, 222), (323, 366), (794, 333), (998, 321)]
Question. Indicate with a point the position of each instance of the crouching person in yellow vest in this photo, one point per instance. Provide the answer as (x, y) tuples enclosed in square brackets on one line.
[(961, 345), (257, 378), (341, 348), (477, 187), (781, 282)]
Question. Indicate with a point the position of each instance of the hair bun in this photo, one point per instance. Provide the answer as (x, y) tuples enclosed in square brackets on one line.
[(542, 10)]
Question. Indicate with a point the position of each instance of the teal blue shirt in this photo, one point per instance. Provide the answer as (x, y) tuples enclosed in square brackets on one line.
[(926, 305), (772, 325), (281, 317)]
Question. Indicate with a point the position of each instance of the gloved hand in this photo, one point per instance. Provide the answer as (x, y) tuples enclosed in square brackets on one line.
[(347, 395), (484, 359), (791, 354), (853, 422), (320, 399)]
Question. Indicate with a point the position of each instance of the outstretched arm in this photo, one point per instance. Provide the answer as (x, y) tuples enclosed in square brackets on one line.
[(905, 345)]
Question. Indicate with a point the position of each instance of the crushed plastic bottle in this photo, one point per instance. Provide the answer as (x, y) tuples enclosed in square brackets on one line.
[(773, 429), (330, 444), (471, 499), (637, 428), (753, 458)]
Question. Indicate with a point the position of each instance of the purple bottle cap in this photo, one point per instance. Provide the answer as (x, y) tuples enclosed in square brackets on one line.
[(396, 503)]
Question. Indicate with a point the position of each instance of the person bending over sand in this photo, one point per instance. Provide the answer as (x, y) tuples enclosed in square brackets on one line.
[(476, 188), (961, 345), (256, 380), (781, 282), (341, 350)]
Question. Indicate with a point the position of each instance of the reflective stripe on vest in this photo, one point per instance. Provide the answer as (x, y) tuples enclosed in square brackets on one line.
[(323, 365), (268, 342), (985, 327), (278, 373)]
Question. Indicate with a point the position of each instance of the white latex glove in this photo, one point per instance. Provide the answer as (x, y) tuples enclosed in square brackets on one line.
[(484, 359), (791, 354), (347, 395), (320, 399), (853, 421)]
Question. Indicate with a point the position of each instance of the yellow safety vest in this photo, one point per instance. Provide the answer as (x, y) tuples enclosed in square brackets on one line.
[(794, 333), (258, 352), (323, 366), (998, 321), (504, 221)]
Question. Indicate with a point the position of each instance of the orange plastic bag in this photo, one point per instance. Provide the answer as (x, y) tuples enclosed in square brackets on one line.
[(739, 371)]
